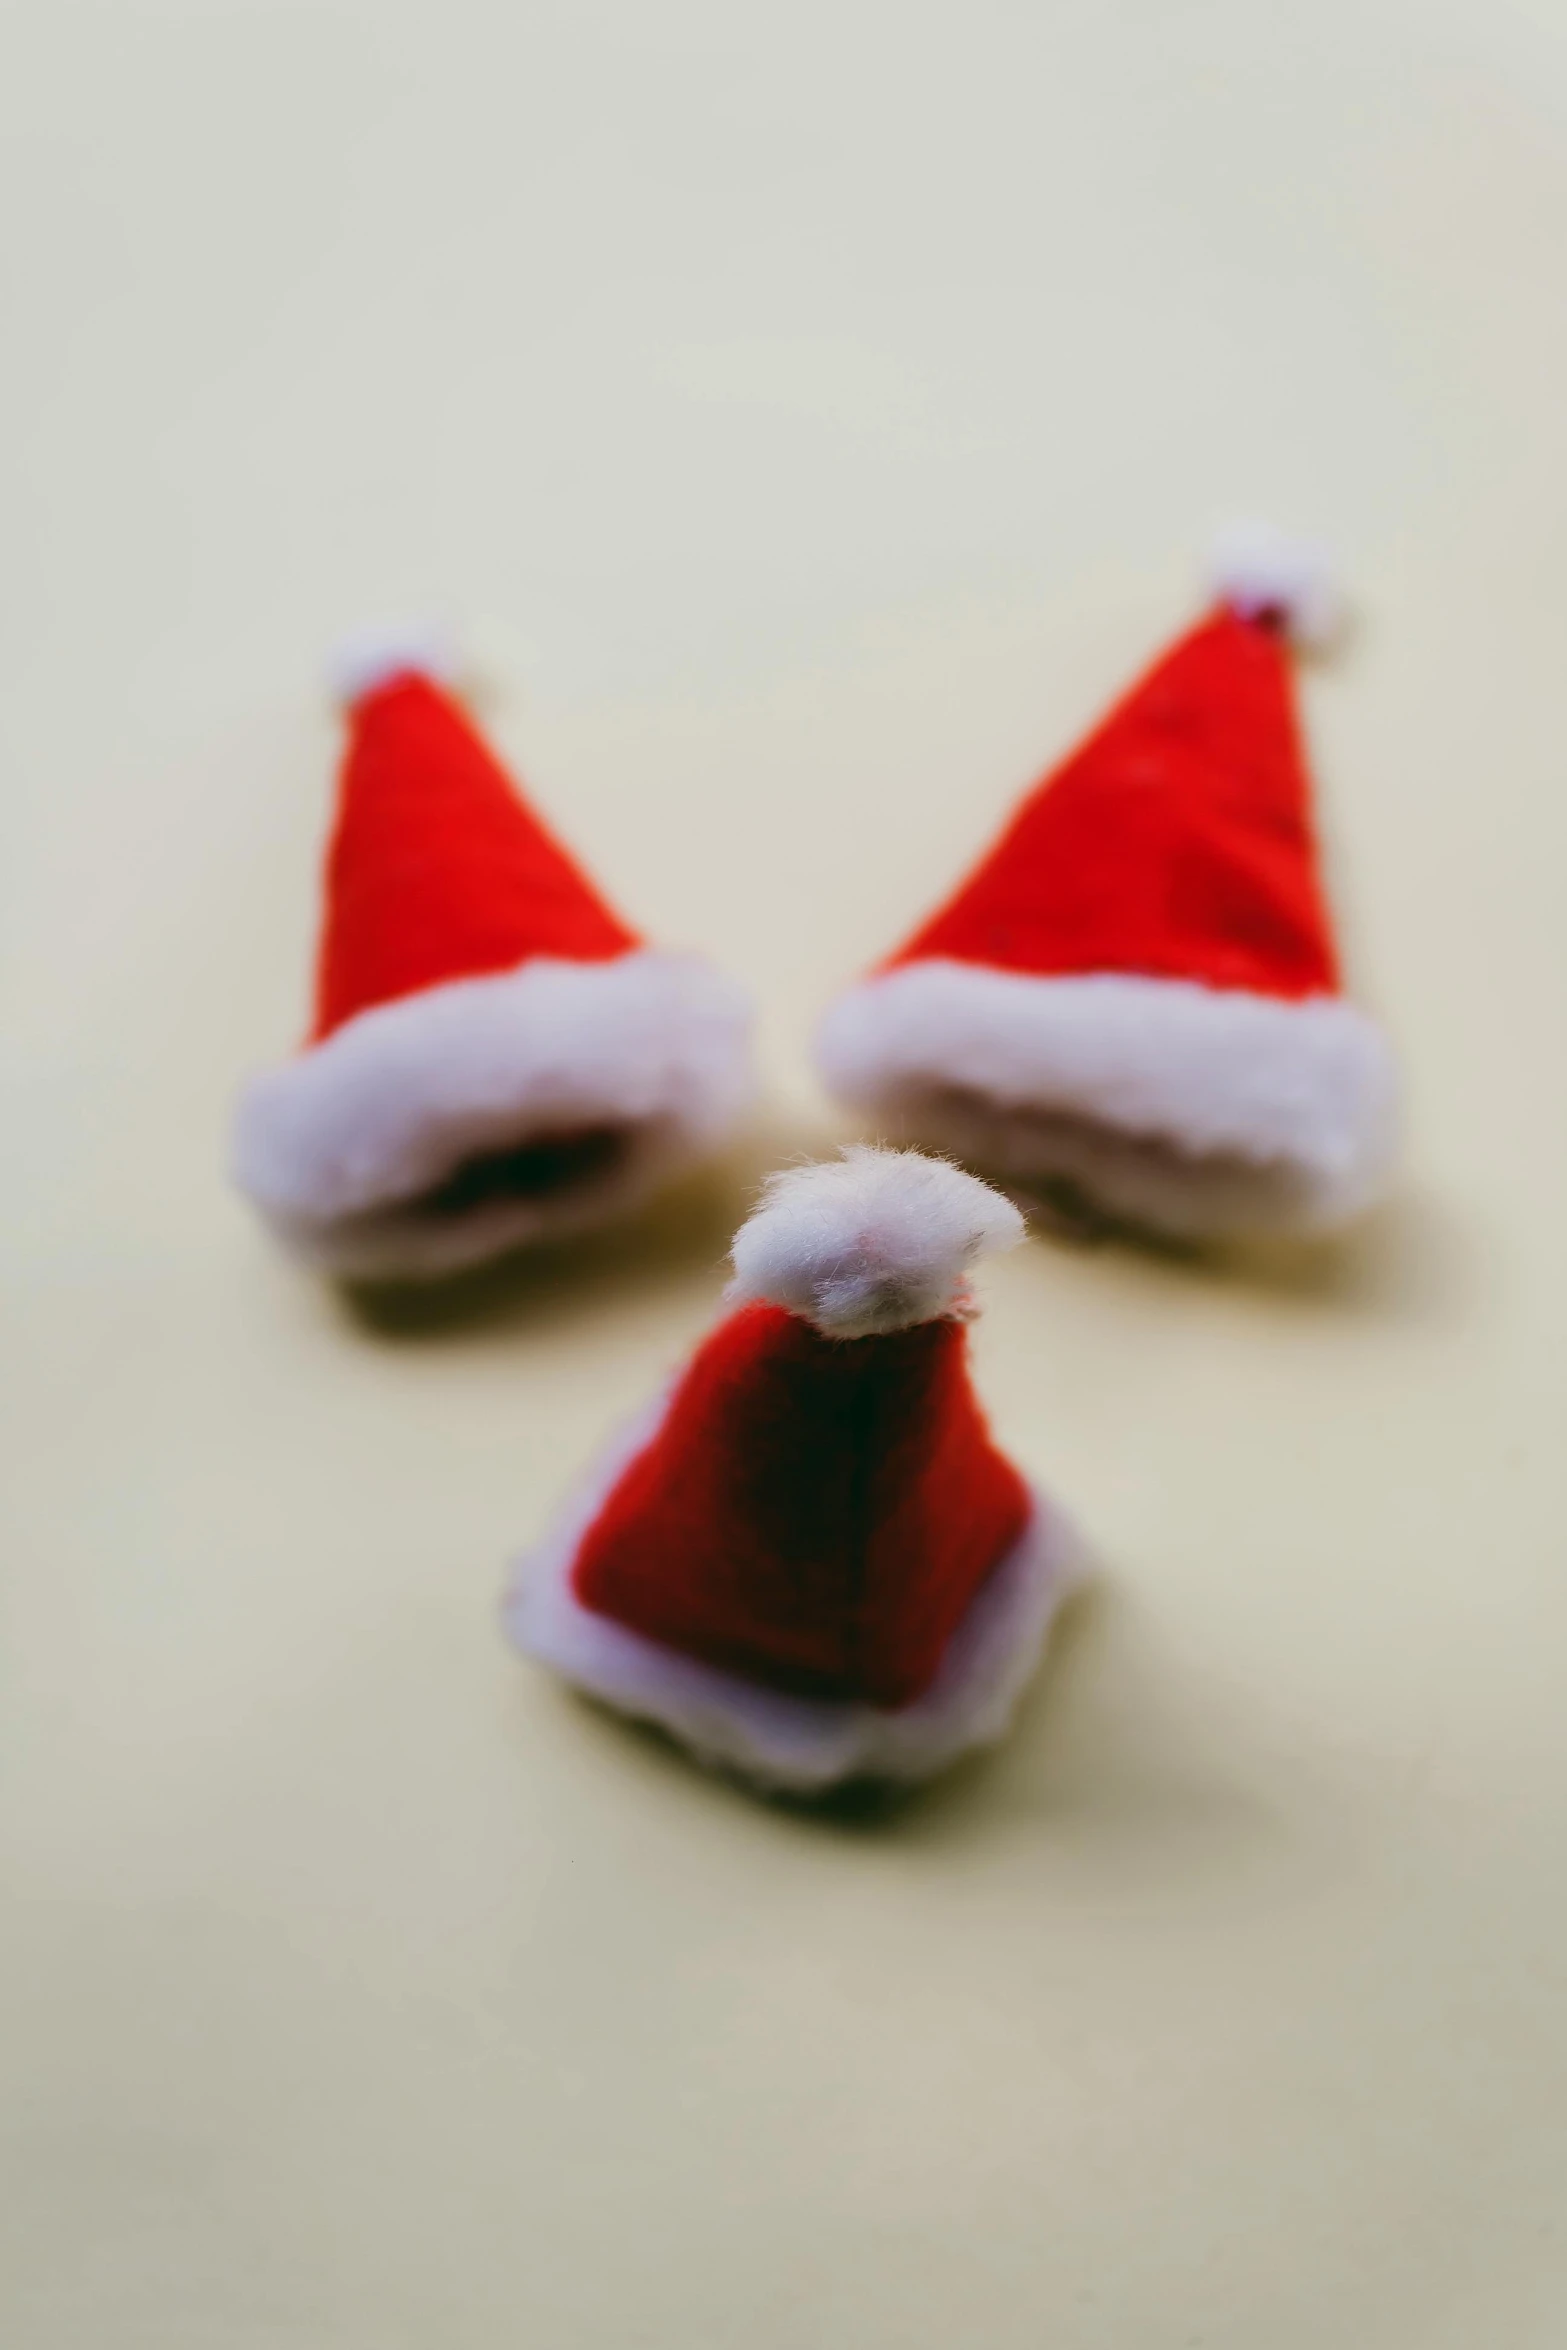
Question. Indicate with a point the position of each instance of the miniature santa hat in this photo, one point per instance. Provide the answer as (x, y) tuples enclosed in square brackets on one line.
[(809, 1562), (1136, 996), (496, 1057)]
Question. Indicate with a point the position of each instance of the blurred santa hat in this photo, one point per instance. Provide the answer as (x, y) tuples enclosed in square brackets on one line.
[(1138, 992), (496, 1057)]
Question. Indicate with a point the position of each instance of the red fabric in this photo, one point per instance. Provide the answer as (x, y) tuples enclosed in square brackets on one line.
[(815, 1514), (436, 869), (1175, 843)]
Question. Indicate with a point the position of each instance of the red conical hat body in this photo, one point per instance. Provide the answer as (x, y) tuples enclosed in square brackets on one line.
[(1175, 843), (437, 870), (814, 1514)]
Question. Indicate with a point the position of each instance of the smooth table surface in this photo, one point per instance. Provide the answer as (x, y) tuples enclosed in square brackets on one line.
[(805, 418)]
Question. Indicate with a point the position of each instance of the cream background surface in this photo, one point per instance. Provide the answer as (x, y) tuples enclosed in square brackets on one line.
[(806, 416)]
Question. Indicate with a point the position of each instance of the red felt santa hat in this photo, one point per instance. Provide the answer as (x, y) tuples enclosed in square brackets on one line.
[(1137, 993), (809, 1561), (496, 1057)]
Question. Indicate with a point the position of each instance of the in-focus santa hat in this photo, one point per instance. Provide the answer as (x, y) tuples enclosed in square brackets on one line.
[(496, 1057), (809, 1561), (1137, 993)]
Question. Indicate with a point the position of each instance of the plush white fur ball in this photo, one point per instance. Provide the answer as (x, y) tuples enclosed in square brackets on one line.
[(1257, 569), (369, 657), (874, 1241)]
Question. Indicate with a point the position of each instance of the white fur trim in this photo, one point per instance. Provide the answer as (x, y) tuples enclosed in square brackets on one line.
[(1191, 1108), (370, 657), (338, 1145), (875, 1240), (794, 1744), (1256, 569)]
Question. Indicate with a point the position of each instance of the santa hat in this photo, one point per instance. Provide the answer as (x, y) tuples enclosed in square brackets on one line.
[(495, 1056), (1137, 993), (809, 1561)]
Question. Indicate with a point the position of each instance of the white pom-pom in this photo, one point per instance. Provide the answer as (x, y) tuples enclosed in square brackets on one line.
[(1257, 571), (875, 1241), (370, 657)]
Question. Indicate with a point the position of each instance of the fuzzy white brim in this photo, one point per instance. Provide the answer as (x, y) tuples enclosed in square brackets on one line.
[(1189, 1108), (794, 1744), (337, 1147)]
